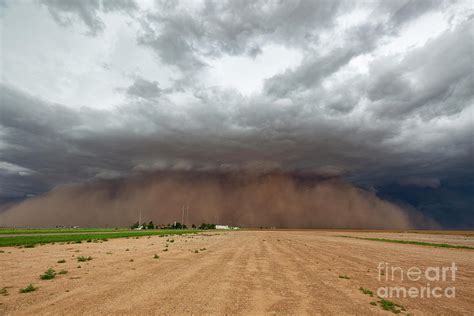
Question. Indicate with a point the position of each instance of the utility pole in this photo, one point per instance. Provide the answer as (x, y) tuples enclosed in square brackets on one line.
[(187, 215), (182, 216)]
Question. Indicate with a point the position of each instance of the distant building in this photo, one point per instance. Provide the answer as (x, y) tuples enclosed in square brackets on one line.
[(222, 227), (226, 227)]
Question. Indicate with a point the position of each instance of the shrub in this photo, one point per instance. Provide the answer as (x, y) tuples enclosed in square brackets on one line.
[(4, 291), (61, 261), (207, 226), (366, 291), (29, 288), (156, 256), (82, 258), (391, 306), (48, 275)]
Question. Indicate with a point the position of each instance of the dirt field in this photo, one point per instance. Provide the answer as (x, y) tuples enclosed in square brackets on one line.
[(242, 272)]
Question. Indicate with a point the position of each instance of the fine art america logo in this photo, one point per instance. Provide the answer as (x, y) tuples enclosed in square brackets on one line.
[(435, 281)]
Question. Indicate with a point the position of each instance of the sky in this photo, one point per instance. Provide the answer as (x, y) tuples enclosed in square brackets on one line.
[(377, 92)]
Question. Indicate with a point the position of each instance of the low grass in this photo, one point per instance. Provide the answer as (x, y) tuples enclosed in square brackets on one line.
[(83, 258), (14, 231), (366, 291), (344, 277), (62, 272), (4, 291), (410, 242), (48, 274), (31, 239), (391, 306), (29, 288)]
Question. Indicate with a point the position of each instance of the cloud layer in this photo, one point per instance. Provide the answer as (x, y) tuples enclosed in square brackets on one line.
[(377, 93)]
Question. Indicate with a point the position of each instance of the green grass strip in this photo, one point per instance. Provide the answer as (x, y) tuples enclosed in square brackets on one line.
[(35, 239), (13, 231), (410, 242)]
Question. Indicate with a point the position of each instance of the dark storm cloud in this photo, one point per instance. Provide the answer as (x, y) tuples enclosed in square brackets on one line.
[(431, 81), (404, 120), (144, 89), (182, 37)]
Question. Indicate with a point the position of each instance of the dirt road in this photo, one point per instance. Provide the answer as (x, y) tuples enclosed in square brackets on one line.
[(243, 272)]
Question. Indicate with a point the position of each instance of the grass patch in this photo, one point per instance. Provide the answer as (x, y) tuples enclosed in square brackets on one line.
[(366, 291), (72, 236), (410, 242), (83, 258), (23, 231), (48, 275), (29, 288), (4, 291), (391, 306), (344, 277)]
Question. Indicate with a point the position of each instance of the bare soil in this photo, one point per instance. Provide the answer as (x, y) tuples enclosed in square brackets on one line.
[(238, 272)]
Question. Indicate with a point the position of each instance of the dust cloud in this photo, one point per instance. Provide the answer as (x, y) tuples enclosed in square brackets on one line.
[(276, 199)]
